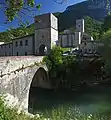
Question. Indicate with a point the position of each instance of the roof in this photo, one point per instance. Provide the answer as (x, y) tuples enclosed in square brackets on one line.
[(16, 39), (23, 36), (67, 34)]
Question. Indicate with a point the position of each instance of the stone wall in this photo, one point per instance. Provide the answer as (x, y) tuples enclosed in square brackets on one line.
[(17, 74)]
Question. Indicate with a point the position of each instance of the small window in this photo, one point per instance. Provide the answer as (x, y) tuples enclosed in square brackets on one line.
[(16, 43), (79, 26), (1, 46), (25, 53), (85, 38), (26, 42), (42, 36), (9, 45), (85, 50), (17, 53), (43, 78), (80, 50), (20, 43), (94, 50), (85, 43), (89, 50)]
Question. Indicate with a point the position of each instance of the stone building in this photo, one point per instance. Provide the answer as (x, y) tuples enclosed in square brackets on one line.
[(79, 39), (39, 43), (70, 39), (80, 25)]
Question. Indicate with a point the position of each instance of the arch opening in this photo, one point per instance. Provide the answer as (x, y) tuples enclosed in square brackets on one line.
[(39, 82), (42, 50)]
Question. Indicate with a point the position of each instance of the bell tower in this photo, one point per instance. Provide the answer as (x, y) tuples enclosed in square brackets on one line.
[(80, 25), (46, 33)]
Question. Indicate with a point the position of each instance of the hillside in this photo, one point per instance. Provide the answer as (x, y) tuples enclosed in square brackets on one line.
[(94, 10)]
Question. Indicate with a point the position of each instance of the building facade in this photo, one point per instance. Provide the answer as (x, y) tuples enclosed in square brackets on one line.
[(39, 43), (70, 39), (79, 39)]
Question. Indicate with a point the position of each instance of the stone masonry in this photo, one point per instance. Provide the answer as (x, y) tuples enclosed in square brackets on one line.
[(17, 75)]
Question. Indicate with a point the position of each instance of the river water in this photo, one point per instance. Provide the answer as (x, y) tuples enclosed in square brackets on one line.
[(90, 100)]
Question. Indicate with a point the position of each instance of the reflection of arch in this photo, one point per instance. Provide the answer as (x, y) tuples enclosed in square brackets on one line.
[(40, 80), (42, 49)]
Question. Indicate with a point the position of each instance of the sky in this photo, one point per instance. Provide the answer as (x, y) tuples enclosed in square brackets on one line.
[(46, 7)]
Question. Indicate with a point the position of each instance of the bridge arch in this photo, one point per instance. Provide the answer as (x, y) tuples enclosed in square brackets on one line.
[(39, 80)]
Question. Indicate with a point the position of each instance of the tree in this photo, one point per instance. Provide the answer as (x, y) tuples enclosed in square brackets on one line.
[(13, 8), (106, 50), (107, 23), (92, 27)]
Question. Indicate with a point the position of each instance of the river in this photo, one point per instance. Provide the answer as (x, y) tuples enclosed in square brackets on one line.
[(90, 100)]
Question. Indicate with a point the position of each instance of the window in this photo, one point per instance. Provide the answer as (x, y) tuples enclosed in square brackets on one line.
[(25, 53), (80, 50), (16, 43), (26, 42), (85, 38), (43, 78), (17, 53), (85, 43), (85, 50), (94, 50), (20, 43), (42, 36), (9, 45)]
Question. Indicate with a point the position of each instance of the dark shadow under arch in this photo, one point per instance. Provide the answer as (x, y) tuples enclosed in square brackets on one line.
[(42, 50), (37, 84)]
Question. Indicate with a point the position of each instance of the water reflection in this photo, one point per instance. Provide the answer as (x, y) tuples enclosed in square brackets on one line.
[(89, 101)]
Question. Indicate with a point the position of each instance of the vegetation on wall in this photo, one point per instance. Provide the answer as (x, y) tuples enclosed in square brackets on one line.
[(70, 70)]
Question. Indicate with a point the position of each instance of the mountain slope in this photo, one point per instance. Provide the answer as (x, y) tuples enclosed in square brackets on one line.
[(94, 10)]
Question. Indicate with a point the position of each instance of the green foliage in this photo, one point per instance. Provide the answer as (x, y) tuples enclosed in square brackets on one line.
[(71, 113), (69, 70), (92, 27), (38, 6), (13, 7), (11, 114), (106, 50), (15, 33), (107, 23), (54, 61), (77, 11)]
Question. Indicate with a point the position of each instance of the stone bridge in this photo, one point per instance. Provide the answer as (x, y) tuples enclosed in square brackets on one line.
[(19, 74)]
